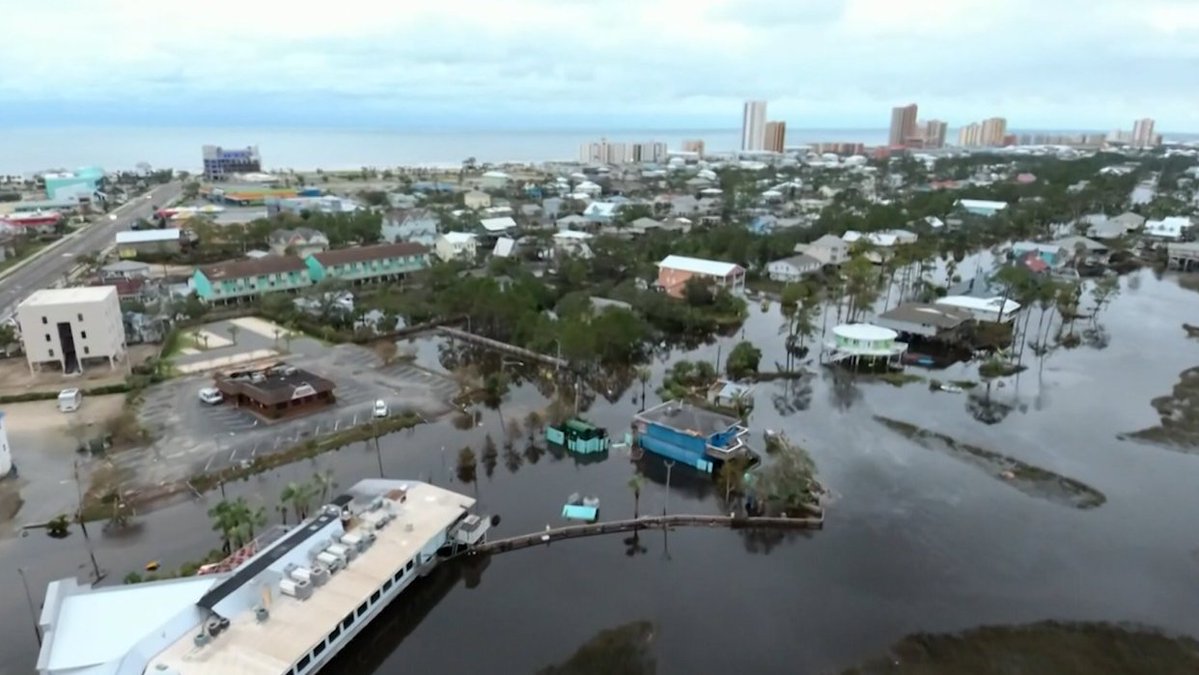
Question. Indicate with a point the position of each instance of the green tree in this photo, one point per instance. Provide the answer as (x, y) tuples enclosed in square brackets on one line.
[(743, 360), (491, 455), (635, 484), (698, 292), (467, 465)]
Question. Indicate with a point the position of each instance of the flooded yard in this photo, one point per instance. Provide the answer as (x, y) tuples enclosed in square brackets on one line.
[(915, 541)]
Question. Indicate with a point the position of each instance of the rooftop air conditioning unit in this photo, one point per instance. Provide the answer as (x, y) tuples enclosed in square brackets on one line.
[(261, 614), (331, 562), (354, 541), (346, 553), (201, 639), (300, 590)]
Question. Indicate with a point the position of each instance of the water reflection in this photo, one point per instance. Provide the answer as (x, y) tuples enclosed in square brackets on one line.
[(624, 649)]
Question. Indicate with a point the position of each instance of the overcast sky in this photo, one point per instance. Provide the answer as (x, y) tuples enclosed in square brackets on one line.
[(646, 64)]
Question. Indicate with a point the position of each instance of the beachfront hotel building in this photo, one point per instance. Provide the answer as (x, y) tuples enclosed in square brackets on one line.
[(753, 125), (221, 163)]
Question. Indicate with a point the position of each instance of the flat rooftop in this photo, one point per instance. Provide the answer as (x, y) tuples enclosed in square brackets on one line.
[(249, 647), (686, 417), (68, 296)]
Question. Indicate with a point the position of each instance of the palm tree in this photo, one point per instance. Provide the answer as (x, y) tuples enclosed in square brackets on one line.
[(322, 484), (233, 329), (299, 495), (224, 521), (534, 424), (278, 333), (635, 484)]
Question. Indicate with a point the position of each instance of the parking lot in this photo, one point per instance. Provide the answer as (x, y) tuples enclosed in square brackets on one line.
[(193, 436)]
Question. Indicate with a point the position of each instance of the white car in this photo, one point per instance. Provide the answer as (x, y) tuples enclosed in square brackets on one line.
[(380, 408), (211, 396)]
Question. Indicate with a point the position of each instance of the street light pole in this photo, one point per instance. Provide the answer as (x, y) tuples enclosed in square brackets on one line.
[(37, 630)]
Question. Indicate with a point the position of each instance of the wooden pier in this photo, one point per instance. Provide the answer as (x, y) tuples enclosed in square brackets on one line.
[(549, 536), (502, 346)]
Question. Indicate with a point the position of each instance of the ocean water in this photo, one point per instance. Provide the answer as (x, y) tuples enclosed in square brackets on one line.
[(26, 150)]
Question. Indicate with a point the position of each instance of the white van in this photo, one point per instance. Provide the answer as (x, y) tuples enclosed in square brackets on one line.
[(69, 400)]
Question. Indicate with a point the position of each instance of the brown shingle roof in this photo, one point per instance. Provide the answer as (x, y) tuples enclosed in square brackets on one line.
[(240, 269), (362, 253)]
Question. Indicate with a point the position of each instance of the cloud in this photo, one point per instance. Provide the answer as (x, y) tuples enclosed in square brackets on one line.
[(820, 63)]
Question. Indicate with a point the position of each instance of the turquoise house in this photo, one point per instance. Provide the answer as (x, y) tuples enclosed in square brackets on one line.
[(368, 263), (231, 281)]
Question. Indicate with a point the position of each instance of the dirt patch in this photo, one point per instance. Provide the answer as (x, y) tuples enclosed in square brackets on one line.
[(42, 416), (1179, 428), (1047, 647), (15, 378), (1031, 480)]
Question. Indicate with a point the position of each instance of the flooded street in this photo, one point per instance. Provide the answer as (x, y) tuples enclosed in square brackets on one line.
[(915, 539)]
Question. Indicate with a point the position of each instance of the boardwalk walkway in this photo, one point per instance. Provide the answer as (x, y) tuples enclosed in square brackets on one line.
[(502, 346), (643, 523)]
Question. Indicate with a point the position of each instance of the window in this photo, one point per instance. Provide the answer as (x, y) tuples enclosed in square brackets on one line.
[(348, 621), (374, 597), (335, 634), (409, 566), (82, 335), (47, 337), (86, 351), (79, 316), (319, 649), (399, 575), (362, 609), (302, 664), (44, 320), (387, 585), (51, 352)]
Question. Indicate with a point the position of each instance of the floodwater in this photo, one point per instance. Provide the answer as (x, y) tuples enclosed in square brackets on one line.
[(915, 540)]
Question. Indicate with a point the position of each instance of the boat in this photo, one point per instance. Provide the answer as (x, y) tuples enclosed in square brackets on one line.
[(581, 508), (951, 388), (287, 609)]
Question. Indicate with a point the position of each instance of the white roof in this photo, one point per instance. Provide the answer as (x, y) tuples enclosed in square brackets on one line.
[(713, 268), (99, 628), (68, 296), (495, 174), (571, 234), (864, 331), (982, 204), (147, 236), (504, 246), (602, 209), (459, 237), (498, 224), (979, 304)]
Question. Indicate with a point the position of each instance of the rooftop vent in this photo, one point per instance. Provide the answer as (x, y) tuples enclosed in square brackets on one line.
[(261, 614)]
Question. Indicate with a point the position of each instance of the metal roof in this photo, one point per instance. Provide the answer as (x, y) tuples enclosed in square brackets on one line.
[(147, 236), (712, 268)]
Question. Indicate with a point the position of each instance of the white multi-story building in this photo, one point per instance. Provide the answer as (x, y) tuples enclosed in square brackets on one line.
[(605, 152), (456, 246), (753, 126), (72, 327), (1142, 133)]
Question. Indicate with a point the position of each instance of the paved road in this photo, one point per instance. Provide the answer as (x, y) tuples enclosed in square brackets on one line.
[(55, 262)]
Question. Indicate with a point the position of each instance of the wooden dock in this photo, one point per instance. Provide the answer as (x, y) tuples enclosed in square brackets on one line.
[(549, 536), (502, 346)]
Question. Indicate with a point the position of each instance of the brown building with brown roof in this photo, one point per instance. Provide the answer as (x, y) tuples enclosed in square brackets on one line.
[(276, 391)]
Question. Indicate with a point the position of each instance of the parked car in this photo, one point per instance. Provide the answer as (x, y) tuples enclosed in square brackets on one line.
[(69, 400), (381, 408), (211, 396)]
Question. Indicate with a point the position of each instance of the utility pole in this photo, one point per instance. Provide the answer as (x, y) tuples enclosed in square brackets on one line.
[(717, 365), (378, 453), (576, 395), (666, 504), (99, 575), (37, 630)]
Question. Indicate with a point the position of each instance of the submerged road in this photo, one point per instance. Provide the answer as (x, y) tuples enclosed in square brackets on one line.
[(56, 260)]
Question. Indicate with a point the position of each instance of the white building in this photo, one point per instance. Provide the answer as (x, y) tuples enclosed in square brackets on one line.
[(1172, 227), (456, 246), (495, 180), (476, 199), (983, 309), (793, 268), (981, 207), (498, 225), (5, 451), (753, 125), (829, 250), (71, 327)]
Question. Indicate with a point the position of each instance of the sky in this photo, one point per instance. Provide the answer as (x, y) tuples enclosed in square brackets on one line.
[(564, 64)]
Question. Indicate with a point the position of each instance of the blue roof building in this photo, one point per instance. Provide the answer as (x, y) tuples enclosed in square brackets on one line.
[(689, 434)]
